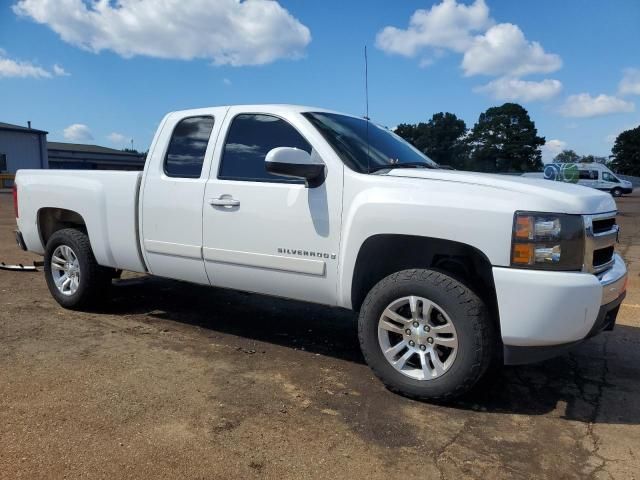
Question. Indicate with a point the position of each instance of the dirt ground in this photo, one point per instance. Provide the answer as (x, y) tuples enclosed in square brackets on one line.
[(173, 380)]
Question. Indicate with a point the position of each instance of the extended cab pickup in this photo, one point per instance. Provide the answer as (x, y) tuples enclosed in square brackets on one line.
[(449, 270)]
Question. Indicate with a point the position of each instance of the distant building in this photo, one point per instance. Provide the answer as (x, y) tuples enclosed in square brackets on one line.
[(92, 157), (26, 147), (22, 147)]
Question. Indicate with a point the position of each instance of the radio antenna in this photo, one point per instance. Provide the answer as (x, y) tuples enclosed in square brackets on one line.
[(366, 100), (366, 83)]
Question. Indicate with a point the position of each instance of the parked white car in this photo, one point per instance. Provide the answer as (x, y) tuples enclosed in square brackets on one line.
[(594, 175), (449, 270)]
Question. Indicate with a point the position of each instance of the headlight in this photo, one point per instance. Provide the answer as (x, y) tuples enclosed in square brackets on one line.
[(547, 241)]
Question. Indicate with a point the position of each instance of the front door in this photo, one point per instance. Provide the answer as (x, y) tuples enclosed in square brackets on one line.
[(609, 181), (265, 233)]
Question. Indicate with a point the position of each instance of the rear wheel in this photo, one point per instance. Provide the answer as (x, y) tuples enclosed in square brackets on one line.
[(426, 335), (616, 192), (73, 276)]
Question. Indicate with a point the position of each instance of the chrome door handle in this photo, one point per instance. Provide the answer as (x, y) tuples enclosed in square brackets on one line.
[(224, 201)]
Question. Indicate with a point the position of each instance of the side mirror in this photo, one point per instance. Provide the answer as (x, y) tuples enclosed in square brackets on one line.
[(295, 163)]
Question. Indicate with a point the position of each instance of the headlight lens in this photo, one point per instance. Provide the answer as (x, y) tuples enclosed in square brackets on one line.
[(547, 241)]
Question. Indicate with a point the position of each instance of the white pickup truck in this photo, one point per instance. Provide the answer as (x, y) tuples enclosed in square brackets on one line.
[(449, 270)]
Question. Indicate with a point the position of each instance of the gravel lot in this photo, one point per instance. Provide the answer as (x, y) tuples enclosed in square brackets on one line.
[(173, 380)]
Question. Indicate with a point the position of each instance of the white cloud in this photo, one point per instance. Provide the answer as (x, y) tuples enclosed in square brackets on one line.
[(584, 105), (226, 81), (630, 83), (487, 48), (118, 138), (10, 68), (59, 71), (552, 148), (504, 50), (514, 89), (446, 25), (230, 32), (17, 69), (78, 132)]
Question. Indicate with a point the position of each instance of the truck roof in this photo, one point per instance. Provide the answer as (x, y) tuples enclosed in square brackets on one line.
[(591, 165), (272, 107)]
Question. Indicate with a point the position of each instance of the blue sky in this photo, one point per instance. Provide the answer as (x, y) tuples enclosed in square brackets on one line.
[(104, 73)]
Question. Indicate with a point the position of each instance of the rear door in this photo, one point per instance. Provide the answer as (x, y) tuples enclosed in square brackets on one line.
[(265, 233), (173, 189), (588, 177)]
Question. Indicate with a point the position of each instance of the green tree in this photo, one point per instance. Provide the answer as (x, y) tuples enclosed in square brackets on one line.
[(441, 138), (505, 139), (566, 156), (626, 152), (408, 132)]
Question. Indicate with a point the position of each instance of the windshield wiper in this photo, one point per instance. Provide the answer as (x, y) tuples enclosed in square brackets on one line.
[(375, 168)]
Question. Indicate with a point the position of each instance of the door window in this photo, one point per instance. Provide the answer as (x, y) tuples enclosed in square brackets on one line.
[(607, 177), (187, 147), (250, 138)]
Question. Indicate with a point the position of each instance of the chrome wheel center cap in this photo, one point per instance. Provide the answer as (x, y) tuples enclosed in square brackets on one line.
[(418, 335)]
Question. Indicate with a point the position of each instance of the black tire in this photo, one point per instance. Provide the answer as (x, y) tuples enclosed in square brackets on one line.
[(94, 280), (475, 332), (616, 192)]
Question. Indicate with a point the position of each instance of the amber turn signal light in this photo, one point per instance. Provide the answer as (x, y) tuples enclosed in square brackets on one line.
[(523, 254), (524, 227)]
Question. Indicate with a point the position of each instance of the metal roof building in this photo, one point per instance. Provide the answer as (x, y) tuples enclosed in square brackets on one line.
[(26, 147), (22, 147), (92, 157)]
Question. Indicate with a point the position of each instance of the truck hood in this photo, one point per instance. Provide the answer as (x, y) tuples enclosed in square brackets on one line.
[(569, 198)]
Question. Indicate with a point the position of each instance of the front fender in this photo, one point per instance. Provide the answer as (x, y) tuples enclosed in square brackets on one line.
[(433, 211)]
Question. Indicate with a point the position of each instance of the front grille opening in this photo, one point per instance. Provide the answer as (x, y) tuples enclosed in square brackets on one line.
[(604, 225), (602, 256)]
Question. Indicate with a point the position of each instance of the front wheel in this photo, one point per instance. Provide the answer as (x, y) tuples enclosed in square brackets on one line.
[(426, 335), (616, 192), (73, 276)]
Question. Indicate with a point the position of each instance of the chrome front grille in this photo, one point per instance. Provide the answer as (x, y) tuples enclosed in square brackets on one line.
[(601, 235), (602, 225)]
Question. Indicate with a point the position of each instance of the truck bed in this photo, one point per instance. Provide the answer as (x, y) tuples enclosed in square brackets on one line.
[(107, 201)]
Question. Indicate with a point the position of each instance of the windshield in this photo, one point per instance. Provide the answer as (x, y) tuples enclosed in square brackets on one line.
[(365, 147)]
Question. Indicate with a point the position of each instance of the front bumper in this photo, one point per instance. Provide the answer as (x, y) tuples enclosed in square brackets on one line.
[(520, 355), (544, 313)]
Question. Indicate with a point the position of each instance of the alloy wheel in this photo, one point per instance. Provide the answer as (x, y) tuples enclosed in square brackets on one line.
[(65, 270), (417, 338)]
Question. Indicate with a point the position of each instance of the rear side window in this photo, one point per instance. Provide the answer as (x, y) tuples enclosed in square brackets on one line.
[(588, 174), (187, 147), (250, 138)]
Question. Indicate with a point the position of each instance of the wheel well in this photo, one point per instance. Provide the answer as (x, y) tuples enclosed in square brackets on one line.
[(382, 255), (50, 220)]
